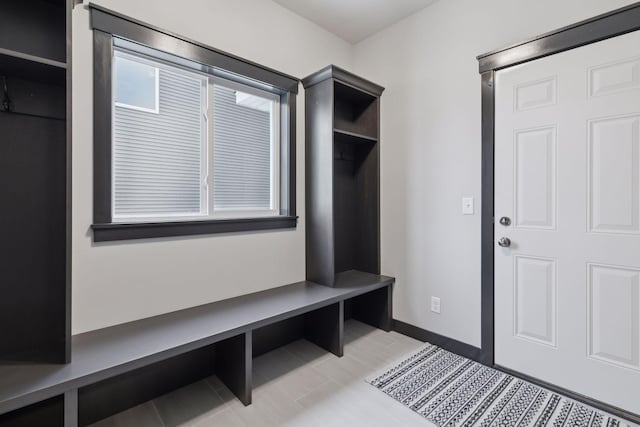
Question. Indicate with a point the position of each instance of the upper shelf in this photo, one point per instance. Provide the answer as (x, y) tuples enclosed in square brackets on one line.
[(355, 112), (353, 136), (355, 100), (32, 58), (30, 67)]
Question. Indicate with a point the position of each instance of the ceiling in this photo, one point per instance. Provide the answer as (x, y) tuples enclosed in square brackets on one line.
[(354, 20)]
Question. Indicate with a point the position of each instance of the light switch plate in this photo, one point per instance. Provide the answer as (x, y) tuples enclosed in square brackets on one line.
[(435, 304), (467, 206)]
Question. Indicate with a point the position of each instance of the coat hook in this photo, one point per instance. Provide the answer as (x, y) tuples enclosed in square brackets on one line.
[(7, 104)]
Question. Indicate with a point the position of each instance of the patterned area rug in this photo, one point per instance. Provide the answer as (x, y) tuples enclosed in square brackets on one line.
[(450, 390)]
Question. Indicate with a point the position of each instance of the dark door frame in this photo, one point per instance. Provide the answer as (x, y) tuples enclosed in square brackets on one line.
[(598, 28)]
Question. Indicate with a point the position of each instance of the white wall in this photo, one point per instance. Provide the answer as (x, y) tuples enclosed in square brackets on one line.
[(431, 145), (430, 158), (123, 281)]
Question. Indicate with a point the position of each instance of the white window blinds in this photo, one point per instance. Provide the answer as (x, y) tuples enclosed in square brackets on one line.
[(244, 150), (187, 144), (157, 157)]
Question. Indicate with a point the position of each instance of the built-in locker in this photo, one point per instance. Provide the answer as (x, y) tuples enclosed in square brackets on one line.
[(343, 174), (34, 221)]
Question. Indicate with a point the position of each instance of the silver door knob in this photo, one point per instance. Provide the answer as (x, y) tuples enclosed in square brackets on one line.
[(504, 242)]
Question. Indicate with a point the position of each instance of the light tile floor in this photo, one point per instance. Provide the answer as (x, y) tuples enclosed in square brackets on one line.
[(296, 385)]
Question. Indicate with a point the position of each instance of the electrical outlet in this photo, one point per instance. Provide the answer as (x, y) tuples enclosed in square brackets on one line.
[(435, 304)]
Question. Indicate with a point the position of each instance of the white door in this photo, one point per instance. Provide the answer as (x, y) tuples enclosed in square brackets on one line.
[(567, 175)]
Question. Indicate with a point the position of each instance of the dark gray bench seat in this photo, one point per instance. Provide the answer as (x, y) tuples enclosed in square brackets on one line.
[(106, 353)]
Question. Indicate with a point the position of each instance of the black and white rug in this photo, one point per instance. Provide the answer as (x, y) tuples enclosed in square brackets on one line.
[(450, 390)]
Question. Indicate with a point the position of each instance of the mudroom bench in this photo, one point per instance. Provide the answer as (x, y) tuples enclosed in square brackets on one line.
[(116, 368)]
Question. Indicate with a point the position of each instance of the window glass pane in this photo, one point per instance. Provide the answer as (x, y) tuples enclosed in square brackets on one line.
[(243, 150), (135, 84), (157, 157)]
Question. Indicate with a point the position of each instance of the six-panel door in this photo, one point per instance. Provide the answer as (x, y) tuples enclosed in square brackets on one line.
[(567, 174)]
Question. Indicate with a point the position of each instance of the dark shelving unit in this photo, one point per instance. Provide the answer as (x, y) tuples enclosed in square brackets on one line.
[(34, 169), (343, 169)]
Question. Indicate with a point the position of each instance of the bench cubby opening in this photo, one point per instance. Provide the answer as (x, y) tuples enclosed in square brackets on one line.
[(108, 397), (323, 327), (49, 412), (373, 308)]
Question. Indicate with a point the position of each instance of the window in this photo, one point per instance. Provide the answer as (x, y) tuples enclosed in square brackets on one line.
[(189, 145), (189, 140)]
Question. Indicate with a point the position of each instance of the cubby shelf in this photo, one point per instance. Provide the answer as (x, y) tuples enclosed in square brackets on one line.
[(353, 136), (33, 58)]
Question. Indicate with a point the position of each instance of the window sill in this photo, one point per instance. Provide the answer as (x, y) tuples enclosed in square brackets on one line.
[(148, 230)]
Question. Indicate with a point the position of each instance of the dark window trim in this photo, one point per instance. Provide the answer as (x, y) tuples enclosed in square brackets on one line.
[(102, 120), (106, 25), (111, 22), (147, 230), (601, 27)]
